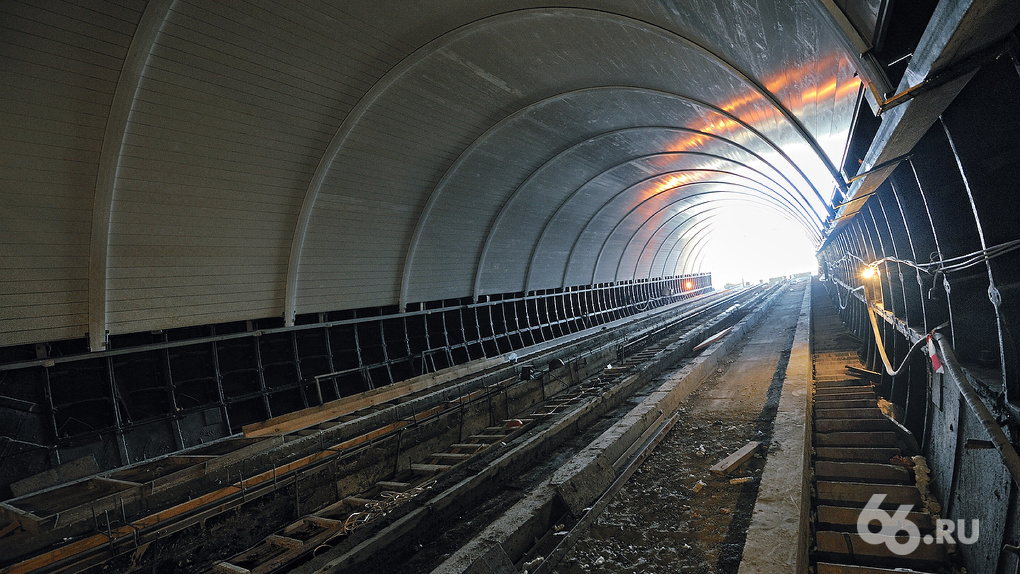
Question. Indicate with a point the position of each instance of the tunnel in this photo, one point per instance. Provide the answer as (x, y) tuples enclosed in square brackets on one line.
[(220, 219)]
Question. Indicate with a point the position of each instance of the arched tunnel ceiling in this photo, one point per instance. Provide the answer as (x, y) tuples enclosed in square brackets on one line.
[(178, 163)]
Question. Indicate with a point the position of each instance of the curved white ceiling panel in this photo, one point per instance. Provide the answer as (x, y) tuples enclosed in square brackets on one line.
[(177, 162), (227, 125), (424, 115)]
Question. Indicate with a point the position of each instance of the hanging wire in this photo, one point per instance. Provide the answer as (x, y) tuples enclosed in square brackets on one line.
[(842, 305), (938, 265), (881, 346), (872, 316)]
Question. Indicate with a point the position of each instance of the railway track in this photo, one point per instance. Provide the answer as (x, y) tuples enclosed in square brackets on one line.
[(532, 516), (342, 481)]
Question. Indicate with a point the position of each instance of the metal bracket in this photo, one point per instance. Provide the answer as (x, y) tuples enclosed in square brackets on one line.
[(970, 64)]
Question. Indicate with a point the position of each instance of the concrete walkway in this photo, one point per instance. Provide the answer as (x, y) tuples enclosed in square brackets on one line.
[(676, 516)]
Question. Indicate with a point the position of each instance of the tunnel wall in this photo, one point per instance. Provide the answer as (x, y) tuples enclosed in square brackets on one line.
[(154, 393), (954, 197)]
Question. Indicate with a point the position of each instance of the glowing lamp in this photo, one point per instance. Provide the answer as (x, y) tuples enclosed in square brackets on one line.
[(872, 287), (688, 285)]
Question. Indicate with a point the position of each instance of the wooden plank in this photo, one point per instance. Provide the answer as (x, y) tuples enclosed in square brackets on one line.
[(859, 493), (851, 425), (851, 544), (22, 518), (861, 454), (828, 393), (711, 340), (430, 468), (853, 413), (333, 409), (285, 542), (323, 522), (824, 403), (228, 568), (826, 568), (849, 384), (852, 439), (845, 518), (73, 470), (730, 463), (9, 528), (833, 393), (863, 471)]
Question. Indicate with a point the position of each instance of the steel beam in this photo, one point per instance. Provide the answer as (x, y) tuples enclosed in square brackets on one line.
[(957, 30)]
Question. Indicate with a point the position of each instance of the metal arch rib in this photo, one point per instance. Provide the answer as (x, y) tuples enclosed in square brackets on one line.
[(764, 192), (759, 196), (510, 201), (716, 212), (344, 130), (773, 100), (332, 150), (793, 190), (799, 217), (620, 222), (754, 198), (784, 111), (149, 27), (690, 218), (693, 227), (480, 262), (699, 236), (478, 142), (710, 107), (700, 253)]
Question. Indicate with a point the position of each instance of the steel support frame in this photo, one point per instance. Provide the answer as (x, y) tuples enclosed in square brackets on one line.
[(495, 325)]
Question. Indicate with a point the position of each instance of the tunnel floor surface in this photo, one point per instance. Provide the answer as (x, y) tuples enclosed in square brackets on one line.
[(662, 520)]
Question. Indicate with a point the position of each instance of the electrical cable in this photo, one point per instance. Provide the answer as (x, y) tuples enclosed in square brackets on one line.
[(958, 263), (842, 305), (881, 346), (872, 316)]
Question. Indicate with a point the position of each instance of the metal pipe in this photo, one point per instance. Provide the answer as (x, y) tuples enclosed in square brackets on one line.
[(1002, 444)]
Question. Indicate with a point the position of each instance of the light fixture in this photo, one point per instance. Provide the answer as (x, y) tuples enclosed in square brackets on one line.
[(872, 286)]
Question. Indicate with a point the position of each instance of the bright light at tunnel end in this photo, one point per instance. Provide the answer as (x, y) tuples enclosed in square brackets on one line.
[(751, 244)]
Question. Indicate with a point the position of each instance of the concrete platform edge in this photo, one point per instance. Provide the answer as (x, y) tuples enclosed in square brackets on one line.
[(777, 540)]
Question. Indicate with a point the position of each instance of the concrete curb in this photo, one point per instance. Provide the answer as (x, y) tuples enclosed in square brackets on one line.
[(777, 540)]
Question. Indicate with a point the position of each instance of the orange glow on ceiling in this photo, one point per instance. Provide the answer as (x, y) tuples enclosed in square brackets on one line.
[(743, 106), (755, 110), (675, 180)]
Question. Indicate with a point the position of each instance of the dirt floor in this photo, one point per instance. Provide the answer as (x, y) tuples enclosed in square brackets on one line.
[(674, 515)]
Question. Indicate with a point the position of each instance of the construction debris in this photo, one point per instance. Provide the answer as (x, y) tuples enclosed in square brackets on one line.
[(730, 463)]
